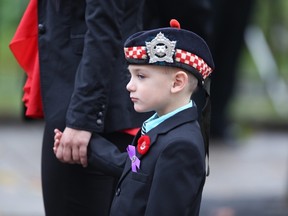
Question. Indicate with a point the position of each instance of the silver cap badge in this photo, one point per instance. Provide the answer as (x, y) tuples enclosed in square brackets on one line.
[(160, 49)]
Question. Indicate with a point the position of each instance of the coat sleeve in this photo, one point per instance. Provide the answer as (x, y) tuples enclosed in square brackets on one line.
[(105, 156), (178, 181), (102, 47)]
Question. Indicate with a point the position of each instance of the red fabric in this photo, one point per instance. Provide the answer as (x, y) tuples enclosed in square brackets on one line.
[(132, 131), (24, 46)]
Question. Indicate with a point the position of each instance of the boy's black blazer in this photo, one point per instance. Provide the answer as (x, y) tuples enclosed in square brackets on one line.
[(172, 173)]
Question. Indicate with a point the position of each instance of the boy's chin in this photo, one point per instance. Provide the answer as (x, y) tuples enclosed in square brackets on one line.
[(140, 110)]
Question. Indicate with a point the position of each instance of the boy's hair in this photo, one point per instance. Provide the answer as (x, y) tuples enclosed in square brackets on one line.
[(193, 83), (192, 80)]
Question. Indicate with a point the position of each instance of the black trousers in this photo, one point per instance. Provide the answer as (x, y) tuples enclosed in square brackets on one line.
[(71, 190)]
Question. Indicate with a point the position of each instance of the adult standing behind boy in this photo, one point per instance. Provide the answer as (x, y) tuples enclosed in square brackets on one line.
[(82, 80)]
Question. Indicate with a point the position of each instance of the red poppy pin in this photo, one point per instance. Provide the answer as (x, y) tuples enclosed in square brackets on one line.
[(143, 144)]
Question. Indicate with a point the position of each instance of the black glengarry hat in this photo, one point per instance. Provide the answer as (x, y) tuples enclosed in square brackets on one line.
[(173, 47)]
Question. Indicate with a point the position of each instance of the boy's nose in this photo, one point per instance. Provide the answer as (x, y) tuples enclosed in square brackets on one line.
[(130, 87)]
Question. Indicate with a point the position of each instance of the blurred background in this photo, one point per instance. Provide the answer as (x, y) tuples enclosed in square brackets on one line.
[(249, 168)]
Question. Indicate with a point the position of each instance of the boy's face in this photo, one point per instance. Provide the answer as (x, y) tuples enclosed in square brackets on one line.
[(150, 87)]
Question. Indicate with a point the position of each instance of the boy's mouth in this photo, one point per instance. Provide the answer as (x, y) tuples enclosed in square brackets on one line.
[(134, 99)]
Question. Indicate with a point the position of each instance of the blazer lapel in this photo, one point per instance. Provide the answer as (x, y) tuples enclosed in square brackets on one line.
[(180, 118)]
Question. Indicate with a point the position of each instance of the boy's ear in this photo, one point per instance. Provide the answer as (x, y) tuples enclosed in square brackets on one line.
[(179, 82)]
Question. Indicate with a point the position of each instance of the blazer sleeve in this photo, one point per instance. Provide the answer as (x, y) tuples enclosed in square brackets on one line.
[(102, 46), (105, 156), (178, 181)]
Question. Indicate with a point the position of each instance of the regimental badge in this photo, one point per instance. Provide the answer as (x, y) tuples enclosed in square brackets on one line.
[(160, 49)]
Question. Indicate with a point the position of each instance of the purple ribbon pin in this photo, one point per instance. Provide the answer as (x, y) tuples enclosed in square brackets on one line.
[(135, 162)]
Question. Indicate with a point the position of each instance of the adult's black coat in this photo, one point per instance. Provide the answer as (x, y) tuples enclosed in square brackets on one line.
[(83, 78), (85, 60)]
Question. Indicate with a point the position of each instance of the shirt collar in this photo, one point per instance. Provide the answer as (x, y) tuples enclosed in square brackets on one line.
[(155, 120)]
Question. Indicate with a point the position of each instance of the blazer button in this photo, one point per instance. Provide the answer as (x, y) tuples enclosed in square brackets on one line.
[(99, 122), (41, 28), (118, 192), (100, 114)]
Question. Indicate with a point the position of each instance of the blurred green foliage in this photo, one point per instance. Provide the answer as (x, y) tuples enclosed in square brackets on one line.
[(11, 76), (251, 102)]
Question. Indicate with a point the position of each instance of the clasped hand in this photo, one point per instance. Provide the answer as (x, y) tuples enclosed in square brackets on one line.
[(70, 146)]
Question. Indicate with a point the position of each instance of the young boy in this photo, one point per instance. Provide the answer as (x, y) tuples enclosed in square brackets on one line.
[(164, 171)]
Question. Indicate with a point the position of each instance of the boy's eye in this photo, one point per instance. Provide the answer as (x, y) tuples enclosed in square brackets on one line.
[(140, 76)]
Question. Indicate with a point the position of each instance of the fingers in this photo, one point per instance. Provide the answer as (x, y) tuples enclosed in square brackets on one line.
[(75, 154), (56, 145), (67, 153), (57, 138), (59, 153), (83, 155), (71, 146)]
